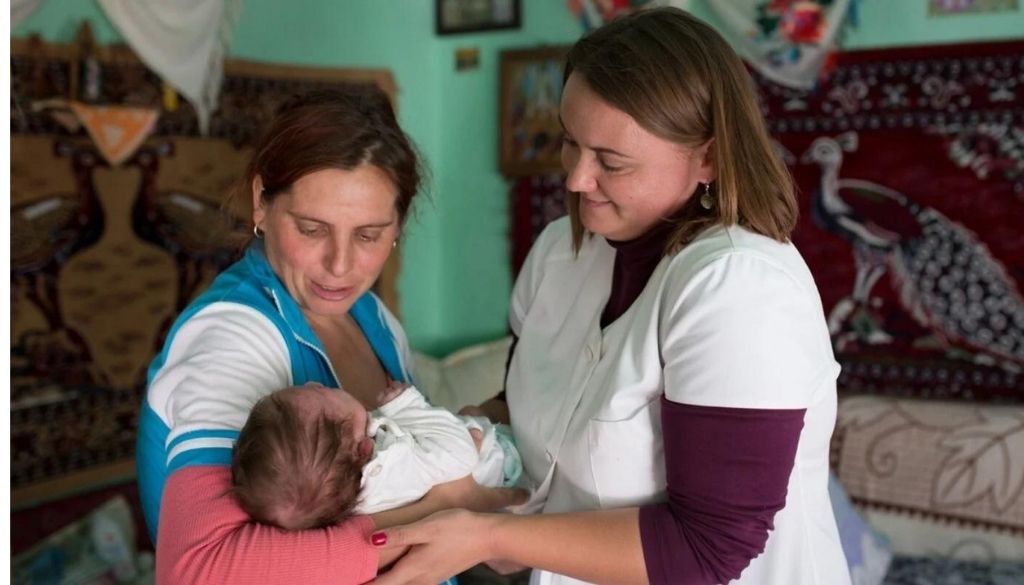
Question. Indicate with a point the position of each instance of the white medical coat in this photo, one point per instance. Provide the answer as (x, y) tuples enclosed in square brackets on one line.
[(732, 320)]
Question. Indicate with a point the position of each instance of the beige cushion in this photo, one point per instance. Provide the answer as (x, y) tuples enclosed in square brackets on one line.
[(469, 376), (936, 477)]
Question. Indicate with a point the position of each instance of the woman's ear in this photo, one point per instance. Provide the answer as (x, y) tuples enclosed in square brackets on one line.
[(708, 162), (259, 211)]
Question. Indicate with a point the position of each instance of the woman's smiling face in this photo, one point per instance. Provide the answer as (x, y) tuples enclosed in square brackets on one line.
[(626, 177)]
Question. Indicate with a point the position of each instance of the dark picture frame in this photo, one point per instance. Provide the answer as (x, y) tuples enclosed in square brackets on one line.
[(463, 16), (529, 129)]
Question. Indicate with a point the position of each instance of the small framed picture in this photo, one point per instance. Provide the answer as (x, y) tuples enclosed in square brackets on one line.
[(530, 132), (462, 16)]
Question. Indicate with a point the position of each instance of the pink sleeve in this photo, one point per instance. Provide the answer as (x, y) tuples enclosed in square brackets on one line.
[(205, 537)]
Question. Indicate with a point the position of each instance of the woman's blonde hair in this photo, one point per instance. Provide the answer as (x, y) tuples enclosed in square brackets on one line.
[(681, 81)]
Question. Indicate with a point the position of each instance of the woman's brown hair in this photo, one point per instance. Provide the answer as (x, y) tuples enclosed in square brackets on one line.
[(334, 129), (681, 81)]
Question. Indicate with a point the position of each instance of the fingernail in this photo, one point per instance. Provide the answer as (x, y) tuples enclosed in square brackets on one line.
[(379, 539)]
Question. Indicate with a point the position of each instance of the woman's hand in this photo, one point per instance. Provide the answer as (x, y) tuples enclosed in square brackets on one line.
[(461, 493), (599, 546), (442, 545)]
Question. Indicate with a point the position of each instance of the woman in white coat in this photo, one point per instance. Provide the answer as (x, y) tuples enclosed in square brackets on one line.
[(672, 389)]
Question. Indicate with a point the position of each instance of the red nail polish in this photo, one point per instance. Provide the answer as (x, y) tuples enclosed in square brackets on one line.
[(379, 539)]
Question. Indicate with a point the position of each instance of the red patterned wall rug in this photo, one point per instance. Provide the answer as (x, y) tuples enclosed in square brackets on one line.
[(910, 166)]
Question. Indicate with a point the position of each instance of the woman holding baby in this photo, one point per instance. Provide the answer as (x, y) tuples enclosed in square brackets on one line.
[(331, 184)]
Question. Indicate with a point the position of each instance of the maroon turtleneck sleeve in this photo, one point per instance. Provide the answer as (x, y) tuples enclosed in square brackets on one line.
[(727, 470)]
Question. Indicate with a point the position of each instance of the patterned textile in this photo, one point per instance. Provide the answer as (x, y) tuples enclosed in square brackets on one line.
[(788, 41), (536, 201), (103, 256), (594, 13), (947, 571), (935, 476), (910, 164)]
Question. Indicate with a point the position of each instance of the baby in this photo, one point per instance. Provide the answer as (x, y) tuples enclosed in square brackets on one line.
[(308, 456)]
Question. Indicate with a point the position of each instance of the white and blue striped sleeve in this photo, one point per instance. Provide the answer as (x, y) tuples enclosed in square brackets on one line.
[(219, 364)]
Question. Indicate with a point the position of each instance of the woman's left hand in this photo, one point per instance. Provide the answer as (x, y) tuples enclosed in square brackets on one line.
[(441, 545)]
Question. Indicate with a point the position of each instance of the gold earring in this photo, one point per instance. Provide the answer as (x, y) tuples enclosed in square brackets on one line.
[(707, 200)]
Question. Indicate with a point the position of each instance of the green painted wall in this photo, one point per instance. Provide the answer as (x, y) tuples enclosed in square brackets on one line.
[(472, 195), (456, 279), (58, 21), (894, 23)]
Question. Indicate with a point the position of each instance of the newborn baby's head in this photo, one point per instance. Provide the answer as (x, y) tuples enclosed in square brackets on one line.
[(299, 458)]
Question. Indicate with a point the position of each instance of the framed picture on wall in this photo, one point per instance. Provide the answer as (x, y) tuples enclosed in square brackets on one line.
[(530, 133), (462, 16)]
